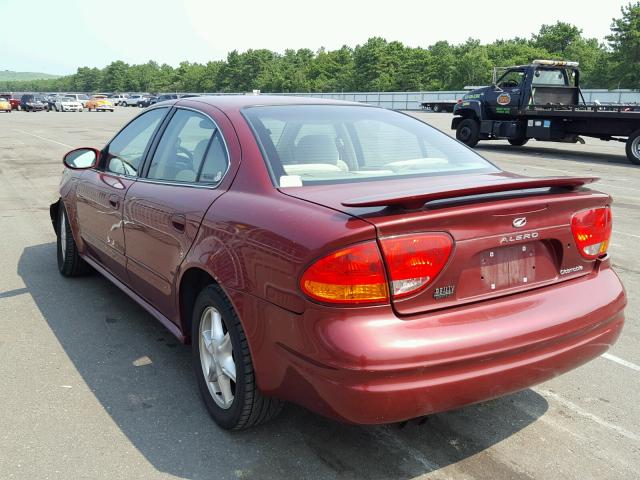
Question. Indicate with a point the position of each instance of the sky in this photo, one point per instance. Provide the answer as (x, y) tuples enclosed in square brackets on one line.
[(59, 36)]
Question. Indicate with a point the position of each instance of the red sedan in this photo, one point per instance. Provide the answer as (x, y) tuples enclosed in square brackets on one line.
[(348, 258)]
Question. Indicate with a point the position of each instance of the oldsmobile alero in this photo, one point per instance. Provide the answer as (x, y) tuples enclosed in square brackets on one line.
[(348, 258)]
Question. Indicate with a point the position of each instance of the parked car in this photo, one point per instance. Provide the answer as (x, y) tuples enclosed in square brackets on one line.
[(32, 103), (166, 96), (80, 97), (117, 99), (345, 257), (67, 104), (15, 102), (49, 101), (135, 100), (5, 105), (148, 101), (99, 103)]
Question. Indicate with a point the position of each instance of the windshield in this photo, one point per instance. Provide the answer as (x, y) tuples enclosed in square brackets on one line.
[(316, 144)]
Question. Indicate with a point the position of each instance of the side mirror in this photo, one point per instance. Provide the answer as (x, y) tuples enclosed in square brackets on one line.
[(81, 158)]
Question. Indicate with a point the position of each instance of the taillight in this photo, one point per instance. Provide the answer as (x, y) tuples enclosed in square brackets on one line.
[(591, 230), (352, 275), (413, 261)]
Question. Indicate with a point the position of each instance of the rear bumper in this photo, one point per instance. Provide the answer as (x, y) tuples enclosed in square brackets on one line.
[(369, 366)]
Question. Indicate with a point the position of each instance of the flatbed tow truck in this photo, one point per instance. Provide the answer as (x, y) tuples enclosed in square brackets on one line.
[(543, 101)]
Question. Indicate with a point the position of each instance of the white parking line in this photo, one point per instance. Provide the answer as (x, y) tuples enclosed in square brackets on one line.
[(625, 233), (43, 138), (621, 361), (583, 413)]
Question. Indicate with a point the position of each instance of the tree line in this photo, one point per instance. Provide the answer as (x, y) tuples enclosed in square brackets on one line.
[(377, 65)]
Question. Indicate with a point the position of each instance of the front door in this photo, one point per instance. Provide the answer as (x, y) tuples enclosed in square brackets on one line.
[(164, 209), (505, 98), (101, 192)]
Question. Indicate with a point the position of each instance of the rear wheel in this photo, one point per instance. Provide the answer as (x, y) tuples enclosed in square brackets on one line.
[(518, 142), (223, 366), (633, 148), (69, 262), (468, 132)]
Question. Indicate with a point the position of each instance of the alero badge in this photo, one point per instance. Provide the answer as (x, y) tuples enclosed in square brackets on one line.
[(519, 222), (504, 99)]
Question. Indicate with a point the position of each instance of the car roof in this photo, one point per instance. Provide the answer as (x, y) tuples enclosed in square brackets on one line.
[(237, 102)]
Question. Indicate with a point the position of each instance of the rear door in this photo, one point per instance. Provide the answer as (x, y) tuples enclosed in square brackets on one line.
[(164, 210), (100, 193)]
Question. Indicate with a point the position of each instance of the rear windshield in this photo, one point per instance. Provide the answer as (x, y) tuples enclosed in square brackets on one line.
[(319, 144)]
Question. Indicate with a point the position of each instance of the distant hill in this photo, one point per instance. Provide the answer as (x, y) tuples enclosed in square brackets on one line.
[(10, 76)]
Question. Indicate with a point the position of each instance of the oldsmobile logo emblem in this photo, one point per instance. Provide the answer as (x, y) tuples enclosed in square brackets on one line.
[(519, 222)]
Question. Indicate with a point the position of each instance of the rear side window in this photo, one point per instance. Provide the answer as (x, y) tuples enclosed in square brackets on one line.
[(216, 161), (126, 150), (550, 77)]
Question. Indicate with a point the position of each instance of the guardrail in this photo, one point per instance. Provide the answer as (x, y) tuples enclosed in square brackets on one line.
[(412, 100)]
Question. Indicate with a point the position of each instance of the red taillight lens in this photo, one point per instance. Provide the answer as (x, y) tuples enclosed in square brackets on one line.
[(415, 260), (351, 275), (591, 230)]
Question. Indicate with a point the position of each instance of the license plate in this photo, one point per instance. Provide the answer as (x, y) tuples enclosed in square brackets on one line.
[(510, 266)]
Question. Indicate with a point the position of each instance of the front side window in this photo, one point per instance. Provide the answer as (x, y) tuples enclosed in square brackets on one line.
[(186, 142), (316, 144), (126, 150), (511, 79)]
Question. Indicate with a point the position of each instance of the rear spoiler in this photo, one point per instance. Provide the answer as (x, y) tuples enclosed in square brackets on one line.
[(413, 200)]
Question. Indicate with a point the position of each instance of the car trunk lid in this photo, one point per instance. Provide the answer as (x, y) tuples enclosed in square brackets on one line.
[(510, 233)]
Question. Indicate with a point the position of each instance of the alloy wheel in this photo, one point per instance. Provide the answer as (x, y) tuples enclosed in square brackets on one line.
[(216, 358)]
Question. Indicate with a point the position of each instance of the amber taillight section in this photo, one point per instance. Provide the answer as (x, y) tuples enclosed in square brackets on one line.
[(592, 230), (352, 275)]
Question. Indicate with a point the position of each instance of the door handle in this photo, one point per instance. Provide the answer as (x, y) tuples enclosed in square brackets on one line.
[(114, 201), (179, 222)]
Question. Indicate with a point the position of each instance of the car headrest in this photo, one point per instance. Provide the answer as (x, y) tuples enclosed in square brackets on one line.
[(316, 149)]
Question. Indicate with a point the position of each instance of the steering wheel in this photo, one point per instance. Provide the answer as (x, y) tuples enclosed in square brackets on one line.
[(511, 83)]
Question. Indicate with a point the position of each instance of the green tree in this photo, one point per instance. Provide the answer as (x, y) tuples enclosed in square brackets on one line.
[(557, 38), (624, 41)]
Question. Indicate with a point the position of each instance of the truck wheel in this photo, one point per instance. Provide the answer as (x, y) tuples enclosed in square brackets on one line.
[(518, 142), (468, 132), (633, 147), (436, 108)]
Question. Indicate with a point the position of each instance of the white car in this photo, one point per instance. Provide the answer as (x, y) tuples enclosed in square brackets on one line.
[(68, 104), (134, 100), (80, 97), (118, 99)]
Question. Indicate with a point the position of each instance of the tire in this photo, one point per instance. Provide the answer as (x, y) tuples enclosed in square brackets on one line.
[(633, 147), (436, 108), (468, 132), (518, 142), (247, 406), (69, 262)]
